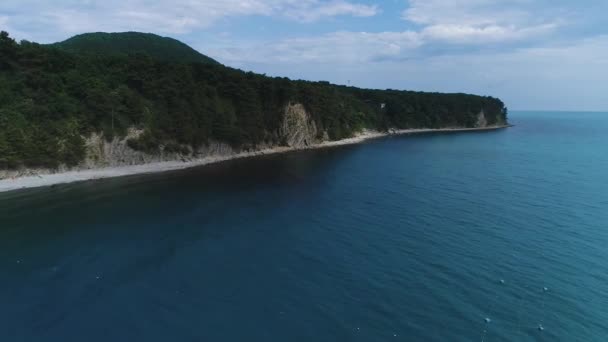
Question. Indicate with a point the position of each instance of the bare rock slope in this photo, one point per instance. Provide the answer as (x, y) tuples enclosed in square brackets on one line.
[(298, 129)]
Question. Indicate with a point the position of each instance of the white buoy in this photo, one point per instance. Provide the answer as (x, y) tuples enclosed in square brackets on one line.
[(540, 327), (545, 289), (502, 281), (488, 320)]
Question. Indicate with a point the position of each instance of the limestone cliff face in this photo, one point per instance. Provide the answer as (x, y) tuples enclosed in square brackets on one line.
[(101, 153), (481, 120), (298, 129)]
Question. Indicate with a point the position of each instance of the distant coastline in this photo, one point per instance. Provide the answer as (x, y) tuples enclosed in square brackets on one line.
[(42, 180)]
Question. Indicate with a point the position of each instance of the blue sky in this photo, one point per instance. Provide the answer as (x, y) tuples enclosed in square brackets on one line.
[(533, 54)]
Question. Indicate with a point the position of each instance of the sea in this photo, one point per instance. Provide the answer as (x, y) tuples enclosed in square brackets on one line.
[(475, 236)]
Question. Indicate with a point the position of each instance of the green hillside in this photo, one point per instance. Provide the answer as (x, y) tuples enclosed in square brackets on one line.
[(52, 99), (131, 43)]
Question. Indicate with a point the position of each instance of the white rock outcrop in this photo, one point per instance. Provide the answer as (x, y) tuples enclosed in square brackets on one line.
[(481, 120), (298, 129)]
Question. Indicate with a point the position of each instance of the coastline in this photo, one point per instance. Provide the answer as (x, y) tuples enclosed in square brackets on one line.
[(43, 180)]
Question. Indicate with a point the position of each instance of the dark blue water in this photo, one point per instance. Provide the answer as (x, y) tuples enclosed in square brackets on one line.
[(398, 239)]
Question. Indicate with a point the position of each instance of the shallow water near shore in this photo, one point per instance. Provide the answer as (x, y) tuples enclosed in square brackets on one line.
[(409, 238)]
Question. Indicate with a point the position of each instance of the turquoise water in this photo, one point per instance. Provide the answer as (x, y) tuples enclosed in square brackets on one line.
[(398, 239)]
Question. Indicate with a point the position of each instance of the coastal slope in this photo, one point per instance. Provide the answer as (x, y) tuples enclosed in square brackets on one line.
[(87, 108)]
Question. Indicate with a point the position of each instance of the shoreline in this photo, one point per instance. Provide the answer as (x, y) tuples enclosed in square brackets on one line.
[(44, 180)]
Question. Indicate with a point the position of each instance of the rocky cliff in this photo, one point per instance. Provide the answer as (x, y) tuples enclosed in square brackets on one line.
[(101, 153), (297, 130), (481, 119)]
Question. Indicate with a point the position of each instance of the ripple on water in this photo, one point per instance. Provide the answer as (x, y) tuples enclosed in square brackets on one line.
[(397, 239)]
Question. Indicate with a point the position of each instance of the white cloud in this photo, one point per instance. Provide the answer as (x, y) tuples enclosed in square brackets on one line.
[(465, 12), (484, 34), (440, 26), (166, 16), (5, 25), (480, 21), (337, 47), (315, 10)]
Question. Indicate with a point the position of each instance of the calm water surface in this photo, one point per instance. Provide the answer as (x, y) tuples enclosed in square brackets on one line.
[(413, 238)]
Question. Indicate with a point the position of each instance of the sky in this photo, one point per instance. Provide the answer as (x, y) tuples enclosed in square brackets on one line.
[(533, 54)]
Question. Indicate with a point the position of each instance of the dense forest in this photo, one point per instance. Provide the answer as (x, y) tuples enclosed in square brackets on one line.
[(53, 96), (129, 43)]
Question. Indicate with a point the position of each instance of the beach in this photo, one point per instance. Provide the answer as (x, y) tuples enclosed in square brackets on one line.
[(41, 180)]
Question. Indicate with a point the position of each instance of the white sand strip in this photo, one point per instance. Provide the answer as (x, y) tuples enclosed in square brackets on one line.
[(83, 175)]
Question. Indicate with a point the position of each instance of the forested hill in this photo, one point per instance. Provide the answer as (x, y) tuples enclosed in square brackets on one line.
[(128, 43), (52, 99)]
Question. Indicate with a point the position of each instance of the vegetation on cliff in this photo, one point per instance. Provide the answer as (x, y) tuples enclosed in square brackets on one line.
[(51, 96)]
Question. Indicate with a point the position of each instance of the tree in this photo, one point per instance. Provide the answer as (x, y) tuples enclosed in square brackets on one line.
[(8, 50), (53, 96)]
